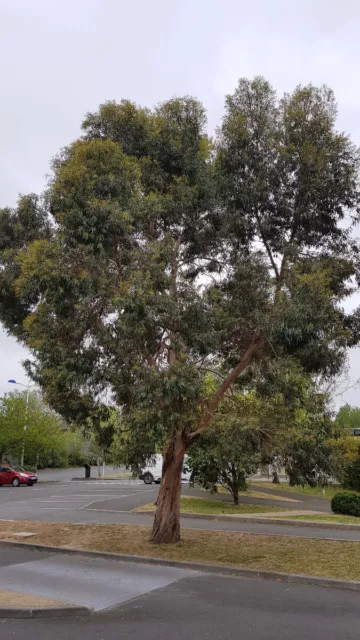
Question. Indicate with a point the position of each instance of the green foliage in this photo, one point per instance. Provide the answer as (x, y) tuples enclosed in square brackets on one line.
[(351, 478), (12, 422), (347, 503), (307, 450), (226, 457), (349, 417), (46, 438), (246, 432), (346, 462), (306, 442), (344, 452), (157, 255), (77, 459)]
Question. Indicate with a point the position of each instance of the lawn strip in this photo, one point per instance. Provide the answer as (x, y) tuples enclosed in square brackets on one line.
[(215, 507), (316, 557)]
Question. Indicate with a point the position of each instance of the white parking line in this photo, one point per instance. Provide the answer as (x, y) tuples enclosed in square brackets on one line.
[(124, 496), (56, 509), (113, 511), (60, 501), (103, 482), (85, 495)]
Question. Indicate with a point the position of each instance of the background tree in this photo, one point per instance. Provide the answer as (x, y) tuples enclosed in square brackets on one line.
[(47, 440), (159, 253), (231, 450), (99, 431), (12, 422), (345, 461), (348, 417)]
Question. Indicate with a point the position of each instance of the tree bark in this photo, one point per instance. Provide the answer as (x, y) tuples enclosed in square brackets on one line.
[(235, 495), (166, 527)]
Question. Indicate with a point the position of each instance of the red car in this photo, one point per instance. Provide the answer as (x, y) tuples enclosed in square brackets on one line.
[(16, 478)]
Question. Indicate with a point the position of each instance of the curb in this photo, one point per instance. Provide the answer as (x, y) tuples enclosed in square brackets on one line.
[(225, 570), (310, 524), (45, 612)]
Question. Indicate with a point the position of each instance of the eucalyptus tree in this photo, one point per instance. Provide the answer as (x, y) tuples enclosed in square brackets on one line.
[(157, 252)]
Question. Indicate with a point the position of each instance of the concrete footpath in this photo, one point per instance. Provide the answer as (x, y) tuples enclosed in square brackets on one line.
[(80, 580)]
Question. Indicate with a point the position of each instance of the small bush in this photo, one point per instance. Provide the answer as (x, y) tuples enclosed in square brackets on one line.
[(352, 475), (346, 503), (76, 459)]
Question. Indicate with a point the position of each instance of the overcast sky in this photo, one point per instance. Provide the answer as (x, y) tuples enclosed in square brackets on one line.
[(61, 58)]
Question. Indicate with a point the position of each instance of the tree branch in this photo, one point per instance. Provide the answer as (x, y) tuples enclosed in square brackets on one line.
[(268, 250), (173, 290), (116, 256), (207, 417)]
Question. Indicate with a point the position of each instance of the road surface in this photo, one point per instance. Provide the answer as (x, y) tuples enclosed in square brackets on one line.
[(112, 501), (211, 607)]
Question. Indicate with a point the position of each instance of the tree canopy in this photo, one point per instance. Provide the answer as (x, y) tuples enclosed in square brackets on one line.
[(157, 254), (46, 438), (349, 417)]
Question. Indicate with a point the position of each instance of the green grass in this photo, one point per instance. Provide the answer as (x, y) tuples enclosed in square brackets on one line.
[(316, 492), (329, 518), (201, 505)]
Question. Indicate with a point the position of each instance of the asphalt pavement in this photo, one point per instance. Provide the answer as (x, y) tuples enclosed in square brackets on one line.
[(211, 608), (102, 501)]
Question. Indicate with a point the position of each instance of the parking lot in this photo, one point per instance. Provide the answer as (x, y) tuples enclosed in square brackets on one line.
[(112, 501), (94, 501)]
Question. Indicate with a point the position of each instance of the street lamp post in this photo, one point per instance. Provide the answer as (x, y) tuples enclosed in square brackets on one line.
[(27, 387)]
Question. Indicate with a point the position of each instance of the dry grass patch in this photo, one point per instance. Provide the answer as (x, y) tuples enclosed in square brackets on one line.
[(278, 553), (316, 492), (15, 599), (259, 494), (328, 518), (116, 475)]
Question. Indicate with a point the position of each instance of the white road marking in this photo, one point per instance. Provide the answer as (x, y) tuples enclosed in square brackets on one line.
[(103, 482), (60, 501), (86, 495), (110, 511)]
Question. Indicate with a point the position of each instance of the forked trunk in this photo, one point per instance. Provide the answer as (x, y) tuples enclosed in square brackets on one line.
[(166, 527)]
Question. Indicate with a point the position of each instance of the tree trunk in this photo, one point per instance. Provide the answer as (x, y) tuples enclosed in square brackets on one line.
[(99, 467), (166, 527), (235, 495)]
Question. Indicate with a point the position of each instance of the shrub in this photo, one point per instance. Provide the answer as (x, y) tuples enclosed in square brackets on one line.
[(352, 475), (345, 458), (77, 459), (346, 503)]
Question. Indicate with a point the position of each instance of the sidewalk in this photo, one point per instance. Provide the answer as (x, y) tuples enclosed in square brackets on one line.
[(79, 580)]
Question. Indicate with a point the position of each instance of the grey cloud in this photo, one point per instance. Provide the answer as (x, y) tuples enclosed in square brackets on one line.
[(61, 58)]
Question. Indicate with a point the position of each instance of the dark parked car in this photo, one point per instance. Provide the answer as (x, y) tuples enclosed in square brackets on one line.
[(8, 475)]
